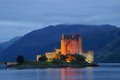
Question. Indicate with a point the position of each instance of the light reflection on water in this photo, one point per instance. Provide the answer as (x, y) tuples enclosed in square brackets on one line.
[(90, 73), (76, 74)]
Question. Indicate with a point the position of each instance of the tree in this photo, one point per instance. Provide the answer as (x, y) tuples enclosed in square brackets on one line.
[(80, 58), (20, 59), (63, 57), (42, 58), (56, 61)]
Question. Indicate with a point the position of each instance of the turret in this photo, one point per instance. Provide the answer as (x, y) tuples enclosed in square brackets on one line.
[(63, 36)]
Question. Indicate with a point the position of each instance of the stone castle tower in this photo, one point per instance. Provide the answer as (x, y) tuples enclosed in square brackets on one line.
[(71, 44)]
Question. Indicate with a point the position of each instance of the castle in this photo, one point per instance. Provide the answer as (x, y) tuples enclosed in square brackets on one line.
[(70, 44)]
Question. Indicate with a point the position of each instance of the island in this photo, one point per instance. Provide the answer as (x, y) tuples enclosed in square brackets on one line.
[(71, 54), (77, 61)]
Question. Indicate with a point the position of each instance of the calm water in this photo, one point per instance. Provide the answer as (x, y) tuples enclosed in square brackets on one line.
[(105, 72)]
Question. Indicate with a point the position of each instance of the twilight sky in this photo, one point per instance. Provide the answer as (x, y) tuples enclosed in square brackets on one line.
[(18, 17)]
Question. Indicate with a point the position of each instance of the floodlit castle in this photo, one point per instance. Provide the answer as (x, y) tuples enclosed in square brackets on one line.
[(70, 44)]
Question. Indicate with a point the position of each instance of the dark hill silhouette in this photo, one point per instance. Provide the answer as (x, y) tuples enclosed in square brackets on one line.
[(6, 44), (95, 37)]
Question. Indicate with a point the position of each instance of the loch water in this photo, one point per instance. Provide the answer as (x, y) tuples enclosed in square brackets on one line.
[(107, 71)]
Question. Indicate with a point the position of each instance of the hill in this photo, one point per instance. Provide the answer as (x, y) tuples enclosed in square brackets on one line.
[(6, 44), (95, 37)]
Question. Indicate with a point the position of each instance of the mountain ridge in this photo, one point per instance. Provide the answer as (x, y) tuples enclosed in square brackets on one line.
[(95, 37), (4, 45)]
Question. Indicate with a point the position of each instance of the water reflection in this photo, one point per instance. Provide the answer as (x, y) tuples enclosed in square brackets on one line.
[(89, 73), (64, 74), (76, 74), (96, 73)]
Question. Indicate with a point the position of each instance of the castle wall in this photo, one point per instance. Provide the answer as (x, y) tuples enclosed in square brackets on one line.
[(63, 48), (80, 45), (89, 56), (71, 46)]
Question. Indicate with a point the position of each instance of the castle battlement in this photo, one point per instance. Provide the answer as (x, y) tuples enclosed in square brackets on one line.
[(71, 37)]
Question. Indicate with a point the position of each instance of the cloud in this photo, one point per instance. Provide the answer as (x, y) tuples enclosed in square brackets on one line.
[(15, 25), (10, 29), (22, 16)]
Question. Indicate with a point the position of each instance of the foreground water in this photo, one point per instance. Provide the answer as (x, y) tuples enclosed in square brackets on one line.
[(104, 72)]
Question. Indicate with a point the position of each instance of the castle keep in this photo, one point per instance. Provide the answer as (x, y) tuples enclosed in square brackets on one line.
[(71, 44)]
